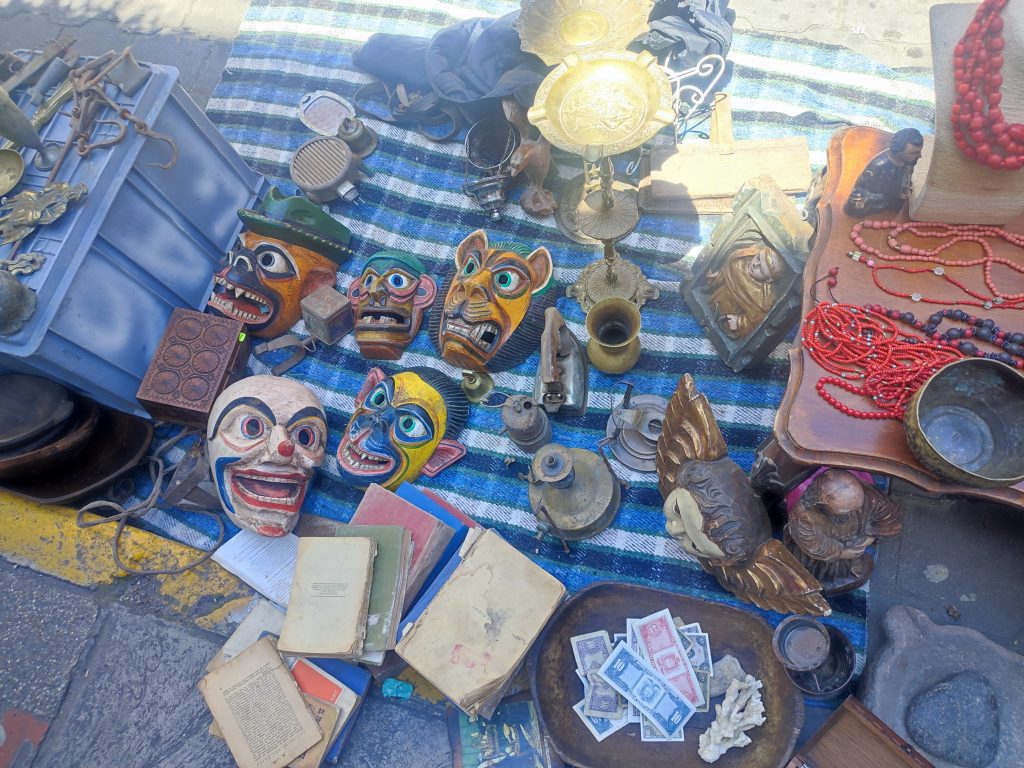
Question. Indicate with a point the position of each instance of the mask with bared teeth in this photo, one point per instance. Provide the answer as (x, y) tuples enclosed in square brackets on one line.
[(389, 300), (266, 436), (489, 314), (403, 425), (287, 250)]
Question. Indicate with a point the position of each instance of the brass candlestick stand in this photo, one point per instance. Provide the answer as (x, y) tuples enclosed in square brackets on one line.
[(597, 104)]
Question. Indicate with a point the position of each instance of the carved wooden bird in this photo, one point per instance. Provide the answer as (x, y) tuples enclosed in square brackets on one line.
[(716, 516)]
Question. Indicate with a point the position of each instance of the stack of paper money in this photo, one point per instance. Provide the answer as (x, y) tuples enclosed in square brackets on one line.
[(657, 674)]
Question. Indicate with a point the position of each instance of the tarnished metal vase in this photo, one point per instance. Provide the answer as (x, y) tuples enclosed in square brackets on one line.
[(614, 328)]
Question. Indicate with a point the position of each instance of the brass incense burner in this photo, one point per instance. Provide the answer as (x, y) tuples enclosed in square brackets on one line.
[(598, 104)]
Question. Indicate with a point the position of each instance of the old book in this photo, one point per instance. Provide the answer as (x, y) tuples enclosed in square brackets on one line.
[(329, 597), (326, 716), (265, 563), (257, 706), (387, 592), (472, 637), (430, 536), (262, 617)]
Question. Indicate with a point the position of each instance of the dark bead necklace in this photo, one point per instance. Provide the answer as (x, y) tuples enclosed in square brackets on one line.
[(984, 330)]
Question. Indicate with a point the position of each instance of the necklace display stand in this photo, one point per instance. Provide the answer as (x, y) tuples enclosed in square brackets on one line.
[(948, 186)]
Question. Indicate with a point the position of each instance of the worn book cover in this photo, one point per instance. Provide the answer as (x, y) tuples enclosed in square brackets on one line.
[(475, 633), (326, 716), (258, 708), (329, 597), (380, 506), (512, 736), (387, 591)]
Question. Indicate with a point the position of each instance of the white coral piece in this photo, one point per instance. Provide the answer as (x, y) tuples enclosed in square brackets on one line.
[(741, 710)]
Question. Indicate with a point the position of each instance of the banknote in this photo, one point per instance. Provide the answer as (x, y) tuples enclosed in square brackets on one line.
[(638, 682), (600, 728), (704, 681), (664, 651), (632, 713), (649, 733), (590, 651), (698, 652)]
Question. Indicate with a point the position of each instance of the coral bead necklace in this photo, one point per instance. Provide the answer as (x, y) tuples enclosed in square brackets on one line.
[(932, 260), (858, 344), (979, 127)]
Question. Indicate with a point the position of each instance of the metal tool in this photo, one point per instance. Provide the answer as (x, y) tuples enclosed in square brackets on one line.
[(634, 427), (55, 74), (562, 376), (489, 146), (360, 137), (324, 169), (574, 493), (38, 63), (526, 423)]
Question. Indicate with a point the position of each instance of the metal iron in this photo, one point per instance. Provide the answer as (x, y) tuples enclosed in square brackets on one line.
[(127, 74), (324, 169), (554, 29), (21, 214), (634, 427), (526, 423), (562, 376), (574, 493)]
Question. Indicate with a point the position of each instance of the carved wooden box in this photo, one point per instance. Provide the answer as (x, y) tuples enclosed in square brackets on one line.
[(198, 356)]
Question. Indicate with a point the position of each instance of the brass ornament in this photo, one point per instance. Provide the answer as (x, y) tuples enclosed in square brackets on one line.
[(21, 214), (12, 167), (553, 29), (602, 104), (614, 328)]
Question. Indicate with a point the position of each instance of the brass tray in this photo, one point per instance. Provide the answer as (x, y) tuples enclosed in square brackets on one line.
[(607, 605), (602, 104), (554, 29)]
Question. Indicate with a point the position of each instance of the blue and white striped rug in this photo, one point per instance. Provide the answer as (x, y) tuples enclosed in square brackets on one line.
[(414, 203)]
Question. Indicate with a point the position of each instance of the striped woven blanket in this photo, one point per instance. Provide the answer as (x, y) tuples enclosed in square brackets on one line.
[(414, 203)]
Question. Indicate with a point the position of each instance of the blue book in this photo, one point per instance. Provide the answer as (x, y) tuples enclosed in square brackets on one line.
[(414, 495)]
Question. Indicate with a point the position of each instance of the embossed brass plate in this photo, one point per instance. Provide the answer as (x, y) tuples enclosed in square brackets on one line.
[(554, 29), (602, 104)]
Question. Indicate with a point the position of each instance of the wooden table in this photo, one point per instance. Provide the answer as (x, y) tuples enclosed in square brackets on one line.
[(807, 429)]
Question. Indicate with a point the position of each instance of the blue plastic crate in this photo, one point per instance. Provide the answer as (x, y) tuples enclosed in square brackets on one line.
[(144, 241)]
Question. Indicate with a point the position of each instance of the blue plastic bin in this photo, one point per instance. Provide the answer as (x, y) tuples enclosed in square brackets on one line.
[(144, 241)]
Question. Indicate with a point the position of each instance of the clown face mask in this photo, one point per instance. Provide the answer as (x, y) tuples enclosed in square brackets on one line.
[(388, 302), (489, 314), (263, 280), (403, 425), (266, 436)]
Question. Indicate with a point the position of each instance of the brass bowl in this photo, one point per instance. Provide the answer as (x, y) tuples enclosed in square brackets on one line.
[(602, 104), (555, 29), (966, 424)]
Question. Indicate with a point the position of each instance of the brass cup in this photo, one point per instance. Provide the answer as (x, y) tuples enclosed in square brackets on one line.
[(614, 328)]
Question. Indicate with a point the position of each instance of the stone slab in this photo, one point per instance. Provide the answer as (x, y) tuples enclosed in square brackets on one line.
[(392, 733), (918, 655), (134, 702)]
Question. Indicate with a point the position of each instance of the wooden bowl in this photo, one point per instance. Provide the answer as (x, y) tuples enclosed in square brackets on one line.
[(607, 605), (966, 424)]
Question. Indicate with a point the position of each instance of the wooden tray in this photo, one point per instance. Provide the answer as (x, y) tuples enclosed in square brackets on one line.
[(806, 427), (607, 605)]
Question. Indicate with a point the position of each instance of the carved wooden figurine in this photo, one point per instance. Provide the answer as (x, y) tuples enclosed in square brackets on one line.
[(837, 517), (745, 285), (712, 511), (885, 183)]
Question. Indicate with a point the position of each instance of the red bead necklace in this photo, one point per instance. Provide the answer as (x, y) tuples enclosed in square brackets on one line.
[(858, 344), (979, 127), (951, 234)]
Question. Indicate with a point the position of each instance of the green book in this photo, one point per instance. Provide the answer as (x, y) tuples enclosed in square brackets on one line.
[(387, 591)]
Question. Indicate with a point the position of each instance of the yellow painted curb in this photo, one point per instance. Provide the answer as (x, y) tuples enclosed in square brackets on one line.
[(46, 539)]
